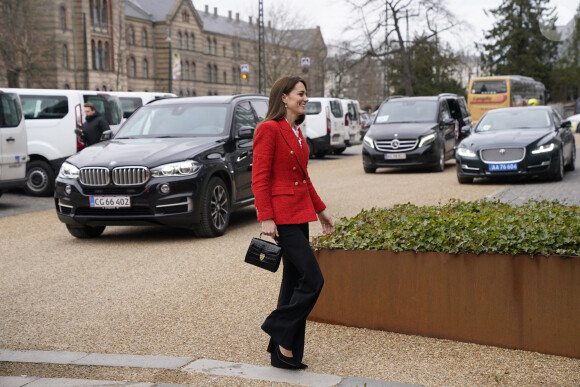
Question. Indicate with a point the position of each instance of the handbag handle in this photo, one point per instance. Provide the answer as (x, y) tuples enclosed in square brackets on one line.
[(275, 238)]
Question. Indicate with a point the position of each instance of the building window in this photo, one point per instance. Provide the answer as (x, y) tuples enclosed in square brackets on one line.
[(179, 40), (215, 74), (224, 47), (185, 41), (144, 37), (186, 71), (106, 57), (63, 18), (192, 42), (209, 73), (185, 17), (64, 56), (104, 20), (99, 55), (131, 67), (94, 54), (214, 47), (225, 78), (131, 36), (193, 71), (145, 69), (208, 48)]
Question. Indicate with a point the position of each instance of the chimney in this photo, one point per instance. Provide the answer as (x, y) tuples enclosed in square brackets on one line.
[(206, 9), (250, 20), (230, 15), (215, 11), (237, 17), (269, 24)]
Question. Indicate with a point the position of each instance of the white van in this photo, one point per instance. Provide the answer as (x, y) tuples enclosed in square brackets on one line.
[(133, 100), (51, 117), (352, 125), (324, 126), (13, 144)]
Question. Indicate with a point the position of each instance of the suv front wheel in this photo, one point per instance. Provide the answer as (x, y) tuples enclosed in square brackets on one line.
[(215, 210)]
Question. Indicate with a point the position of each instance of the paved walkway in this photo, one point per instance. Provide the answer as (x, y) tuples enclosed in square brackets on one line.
[(184, 364)]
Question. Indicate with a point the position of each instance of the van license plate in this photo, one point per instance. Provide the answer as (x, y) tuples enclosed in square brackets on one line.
[(503, 167), (110, 201), (395, 156)]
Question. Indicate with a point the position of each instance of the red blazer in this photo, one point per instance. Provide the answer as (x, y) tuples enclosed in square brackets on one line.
[(280, 182)]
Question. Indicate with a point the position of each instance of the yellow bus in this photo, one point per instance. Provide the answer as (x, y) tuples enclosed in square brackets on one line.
[(487, 93)]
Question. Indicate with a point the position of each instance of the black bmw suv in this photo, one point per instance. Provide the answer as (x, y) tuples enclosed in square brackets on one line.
[(415, 132), (184, 162)]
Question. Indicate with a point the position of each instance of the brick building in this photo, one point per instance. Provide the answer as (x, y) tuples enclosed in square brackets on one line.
[(169, 45)]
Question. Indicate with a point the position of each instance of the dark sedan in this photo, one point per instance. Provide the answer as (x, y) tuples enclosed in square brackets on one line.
[(183, 162), (517, 141)]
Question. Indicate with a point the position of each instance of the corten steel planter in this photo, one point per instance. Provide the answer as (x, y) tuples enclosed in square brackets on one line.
[(520, 302)]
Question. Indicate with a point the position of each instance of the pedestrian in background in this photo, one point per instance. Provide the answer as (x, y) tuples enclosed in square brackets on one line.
[(94, 126), (285, 202)]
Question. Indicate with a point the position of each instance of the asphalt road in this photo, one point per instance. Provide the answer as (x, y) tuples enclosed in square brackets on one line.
[(161, 291)]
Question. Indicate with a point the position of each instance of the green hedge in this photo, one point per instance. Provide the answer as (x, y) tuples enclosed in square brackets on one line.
[(535, 228)]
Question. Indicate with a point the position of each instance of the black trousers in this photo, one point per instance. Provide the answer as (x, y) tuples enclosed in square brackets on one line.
[(301, 285)]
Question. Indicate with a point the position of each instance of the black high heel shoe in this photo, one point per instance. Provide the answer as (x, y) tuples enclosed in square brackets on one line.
[(287, 360)]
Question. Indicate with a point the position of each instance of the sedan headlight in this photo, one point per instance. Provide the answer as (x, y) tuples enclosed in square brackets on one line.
[(182, 168), (428, 139), (544, 148), (465, 152), (68, 171), (369, 141)]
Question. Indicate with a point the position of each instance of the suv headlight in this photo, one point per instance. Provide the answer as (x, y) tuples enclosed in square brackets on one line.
[(182, 168), (544, 148), (464, 152), (428, 139), (68, 171), (369, 141)]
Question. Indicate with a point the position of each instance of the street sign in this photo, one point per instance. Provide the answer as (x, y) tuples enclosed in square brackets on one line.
[(244, 68), (305, 62)]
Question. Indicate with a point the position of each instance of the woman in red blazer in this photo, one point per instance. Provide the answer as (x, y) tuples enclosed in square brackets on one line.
[(285, 202)]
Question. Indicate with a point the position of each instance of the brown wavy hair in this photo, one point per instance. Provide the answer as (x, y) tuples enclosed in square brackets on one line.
[(276, 109)]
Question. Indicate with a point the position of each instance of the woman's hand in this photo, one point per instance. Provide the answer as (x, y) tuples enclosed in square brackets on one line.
[(269, 228), (326, 222)]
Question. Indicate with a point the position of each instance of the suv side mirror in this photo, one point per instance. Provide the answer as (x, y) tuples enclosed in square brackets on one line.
[(107, 135), (566, 124), (245, 132), (448, 121), (465, 131)]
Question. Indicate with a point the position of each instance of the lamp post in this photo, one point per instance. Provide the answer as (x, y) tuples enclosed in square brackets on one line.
[(170, 72)]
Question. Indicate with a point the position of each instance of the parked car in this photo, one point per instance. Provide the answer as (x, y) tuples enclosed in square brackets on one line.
[(366, 121), (352, 124), (13, 143), (575, 121), (517, 141), (51, 117), (324, 126), (184, 162), (410, 132)]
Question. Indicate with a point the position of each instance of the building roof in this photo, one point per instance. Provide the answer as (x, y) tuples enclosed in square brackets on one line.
[(158, 10), (134, 9)]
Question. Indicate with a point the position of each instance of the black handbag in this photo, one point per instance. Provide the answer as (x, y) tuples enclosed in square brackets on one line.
[(264, 254)]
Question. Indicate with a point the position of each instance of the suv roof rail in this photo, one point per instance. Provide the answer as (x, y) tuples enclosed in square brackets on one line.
[(447, 95)]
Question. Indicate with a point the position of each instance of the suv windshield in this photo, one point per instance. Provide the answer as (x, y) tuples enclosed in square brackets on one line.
[(176, 120), (407, 111), (514, 119)]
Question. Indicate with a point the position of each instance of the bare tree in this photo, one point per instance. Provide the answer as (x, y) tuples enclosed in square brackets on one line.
[(383, 23), (24, 45)]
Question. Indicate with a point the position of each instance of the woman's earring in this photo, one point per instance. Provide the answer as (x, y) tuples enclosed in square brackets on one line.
[(285, 106)]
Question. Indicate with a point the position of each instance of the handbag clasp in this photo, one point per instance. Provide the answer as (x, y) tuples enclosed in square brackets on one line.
[(262, 256)]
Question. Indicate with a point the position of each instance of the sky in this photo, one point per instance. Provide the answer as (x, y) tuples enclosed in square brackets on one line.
[(334, 15)]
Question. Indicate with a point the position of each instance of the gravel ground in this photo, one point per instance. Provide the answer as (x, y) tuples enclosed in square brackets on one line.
[(160, 291)]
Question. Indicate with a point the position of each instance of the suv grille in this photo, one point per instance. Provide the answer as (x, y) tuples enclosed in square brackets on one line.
[(130, 175), (94, 176), (395, 145), (503, 154), (122, 176)]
